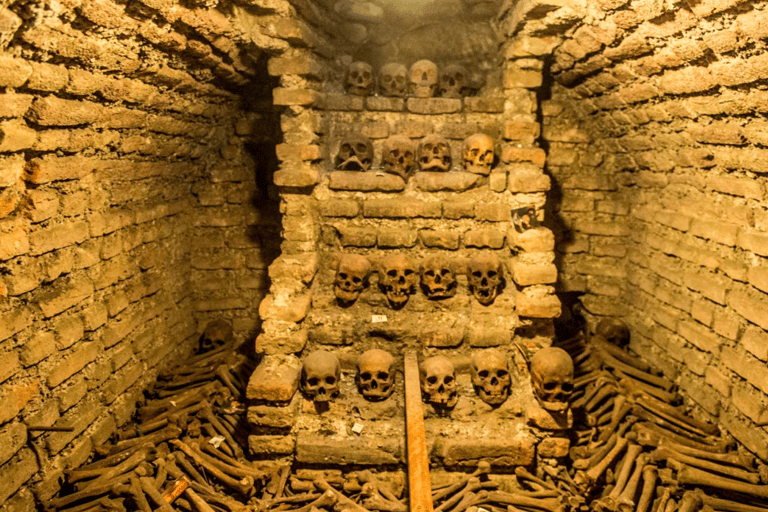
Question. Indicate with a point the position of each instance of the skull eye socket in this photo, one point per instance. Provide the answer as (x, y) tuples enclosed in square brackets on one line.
[(448, 379), (361, 148), (477, 274), (346, 148), (474, 152), (353, 74), (432, 74), (330, 380), (392, 273), (408, 271), (408, 154), (357, 280), (445, 272), (382, 375), (567, 387), (430, 273), (367, 75), (387, 78), (502, 373), (483, 374), (400, 80), (366, 376), (549, 386), (313, 381), (492, 273), (459, 77), (432, 379), (343, 275)]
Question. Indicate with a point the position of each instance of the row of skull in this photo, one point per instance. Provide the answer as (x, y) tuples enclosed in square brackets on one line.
[(399, 277), (401, 156), (551, 372), (422, 80)]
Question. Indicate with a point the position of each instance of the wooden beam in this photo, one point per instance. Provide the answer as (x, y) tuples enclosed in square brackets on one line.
[(419, 483)]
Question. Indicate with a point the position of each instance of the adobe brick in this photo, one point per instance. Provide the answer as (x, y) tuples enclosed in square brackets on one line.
[(14, 398), (532, 240), (484, 238), (514, 77), (40, 346), (372, 129), (484, 104), (750, 305), (270, 446), (79, 418), (381, 103), (497, 180), (365, 181), (13, 243), (16, 136), (755, 341), (12, 438), (296, 97), (14, 72), (52, 111), (17, 472), (454, 181), (513, 154), (535, 304), (56, 237), (15, 105), (439, 239), (276, 379), (401, 208), (397, 238), (700, 337), (303, 177), (303, 65), (431, 106), (719, 232), (687, 80), (526, 274), (525, 181), (493, 212), (343, 102), (358, 237), (414, 129), (340, 208), (516, 130), (455, 210)]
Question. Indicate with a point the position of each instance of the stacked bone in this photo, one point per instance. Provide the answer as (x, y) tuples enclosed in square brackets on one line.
[(637, 451), (185, 446)]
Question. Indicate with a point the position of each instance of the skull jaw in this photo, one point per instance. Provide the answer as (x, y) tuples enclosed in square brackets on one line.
[(322, 396), (345, 297), (398, 170), (481, 169), (485, 295), (436, 165), (376, 395), (444, 400), (397, 297), (423, 91), (453, 92), (359, 90), (553, 406), (393, 92), (439, 292), (354, 164), (493, 396)]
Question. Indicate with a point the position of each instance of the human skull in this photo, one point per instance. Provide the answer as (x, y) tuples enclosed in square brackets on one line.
[(485, 277), (320, 376), (393, 80), (351, 277), (434, 154), (216, 333), (453, 80), (478, 153), (438, 382), (552, 378), (437, 278), (613, 330), (355, 153), (376, 374), (422, 79), (398, 279), (490, 376), (399, 156), (359, 79)]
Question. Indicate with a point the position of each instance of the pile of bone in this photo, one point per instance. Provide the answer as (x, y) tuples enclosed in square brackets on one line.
[(637, 451), (422, 80), (184, 447)]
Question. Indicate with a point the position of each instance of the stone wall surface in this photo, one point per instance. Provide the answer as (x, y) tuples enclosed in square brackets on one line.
[(654, 124), (134, 206)]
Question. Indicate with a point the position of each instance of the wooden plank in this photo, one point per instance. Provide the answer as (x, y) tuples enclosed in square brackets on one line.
[(419, 484)]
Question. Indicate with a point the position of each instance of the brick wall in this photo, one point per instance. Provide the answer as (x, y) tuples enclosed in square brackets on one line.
[(656, 137), (134, 152)]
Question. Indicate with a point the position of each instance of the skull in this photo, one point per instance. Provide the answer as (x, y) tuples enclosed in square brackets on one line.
[(434, 154), (398, 279), (490, 376), (376, 374), (438, 382), (437, 278), (393, 80), (355, 153), (351, 277), (320, 376), (478, 153), (552, 378), (216, 333), (613, 330), (485, 277), (422, 79), (399, 156), (360, 79), (453, 80)]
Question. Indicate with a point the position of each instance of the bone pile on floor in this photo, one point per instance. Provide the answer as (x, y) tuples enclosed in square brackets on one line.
[(185, 446)]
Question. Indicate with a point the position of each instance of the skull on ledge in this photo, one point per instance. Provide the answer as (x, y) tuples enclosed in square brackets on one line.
[(552, 378), (399, 156), (478, 154), (355, 153), (490, 376), (453, 81), (437, 278), (422, 79), (393, 80), (434, 154), (321, 376), (398, 279), (359, 80), (376, 374), (438, 382), (485, 277), (351, 277)]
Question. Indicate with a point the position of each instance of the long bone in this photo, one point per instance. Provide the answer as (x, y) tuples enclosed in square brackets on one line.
[(179, 473), (596, 386), (169, 432), (199, 503), (347, 503), (148, 486), (660, 423), (600, 454), (727, 505), (690, 502), (234, 471), (367, 477), (585, 479), (519, 500), (138, 495), (621, 408), (627, 496), (472, 486), (612, 362), (673, 414), (611, 500), (593, 417), (649, 433), (697, 477), (522, 473), (634, 387), (620, 354), (206, 413), (244, 486), (664, 453), (109, 475), (327, 499), (483, 468), (650, 475)]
